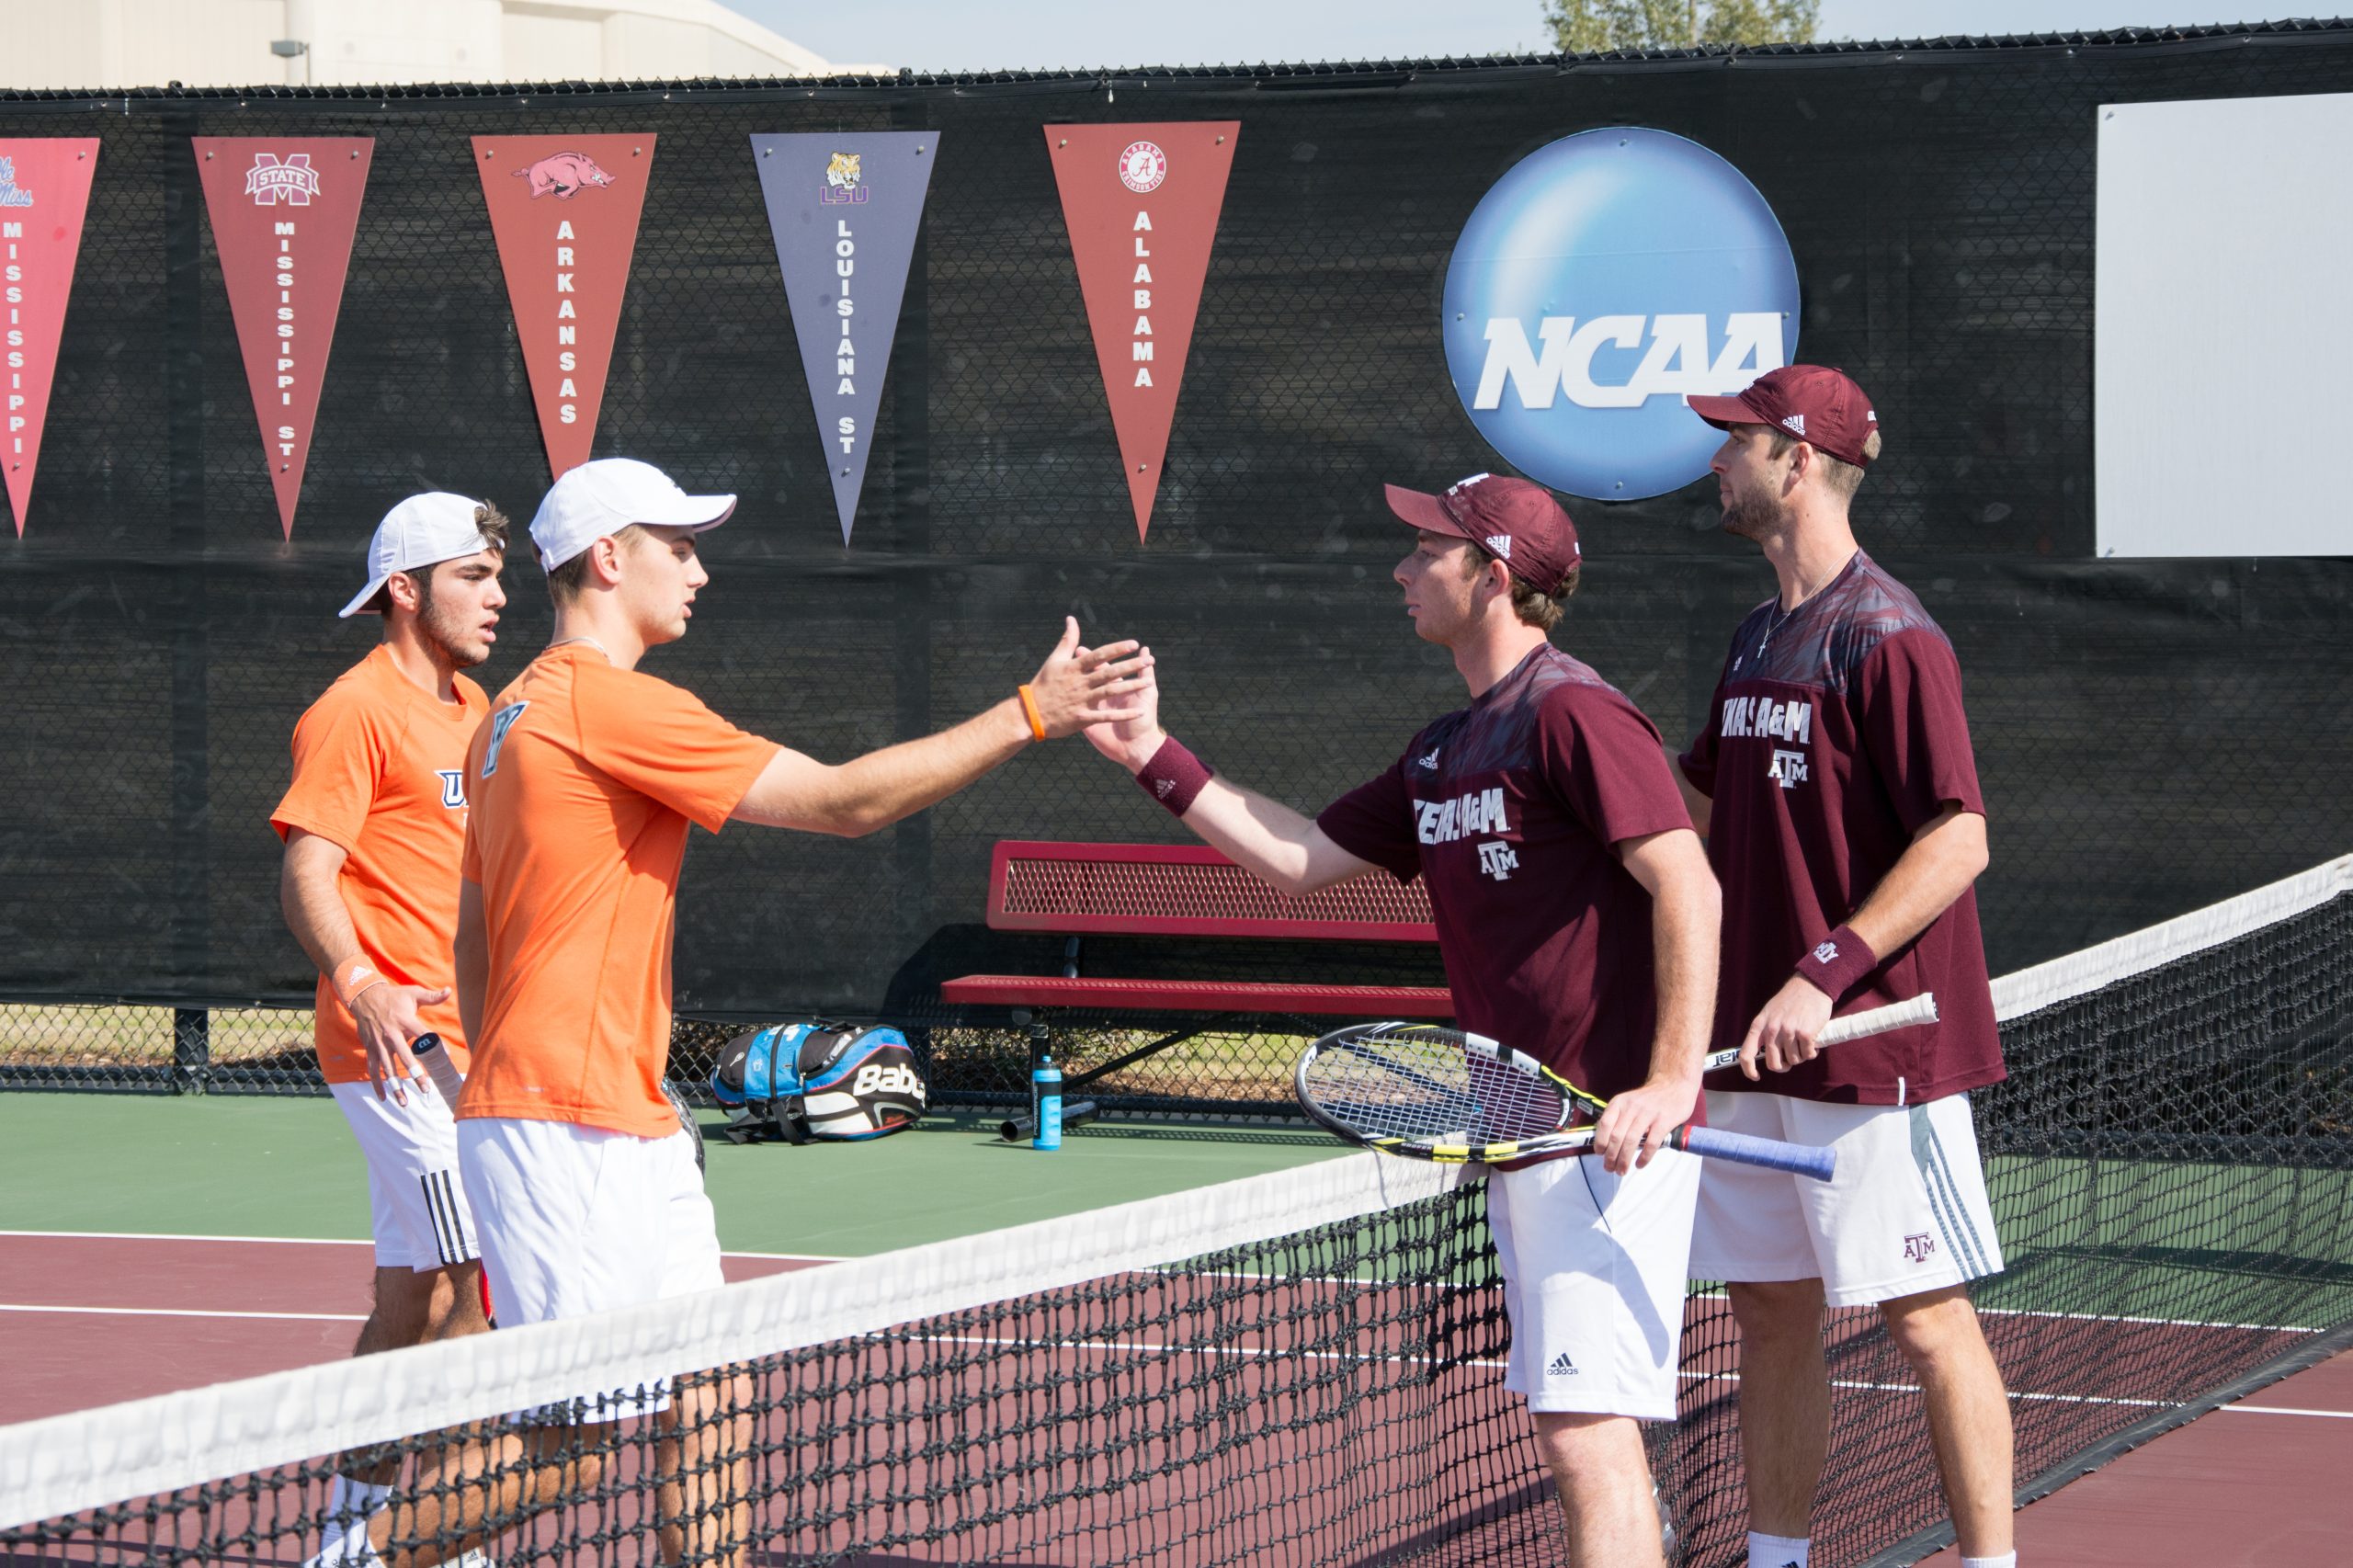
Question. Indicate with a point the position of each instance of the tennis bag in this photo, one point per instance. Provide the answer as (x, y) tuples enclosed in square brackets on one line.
[(818, 1080)]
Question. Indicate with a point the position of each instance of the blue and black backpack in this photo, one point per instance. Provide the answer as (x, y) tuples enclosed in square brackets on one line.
[(818, 1081)]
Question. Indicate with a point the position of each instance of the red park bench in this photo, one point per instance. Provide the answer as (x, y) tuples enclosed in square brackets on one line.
[(1076, 890)]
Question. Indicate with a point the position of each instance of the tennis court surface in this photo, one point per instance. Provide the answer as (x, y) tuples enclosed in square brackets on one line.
[(1305, 1365)]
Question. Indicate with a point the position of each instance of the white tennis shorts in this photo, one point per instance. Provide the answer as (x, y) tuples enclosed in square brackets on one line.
[(577, 1219), (1906, 1212), (1593, 1275), (417, 1202)]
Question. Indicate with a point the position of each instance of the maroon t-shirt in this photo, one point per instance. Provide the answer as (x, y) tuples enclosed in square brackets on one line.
[(1836, 733), (1507, 810)]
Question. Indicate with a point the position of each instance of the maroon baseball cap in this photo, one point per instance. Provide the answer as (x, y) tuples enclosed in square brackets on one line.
[(1817, 404), (1517, 522)]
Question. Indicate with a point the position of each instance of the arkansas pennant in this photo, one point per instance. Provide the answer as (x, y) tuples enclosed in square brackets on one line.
[(565, 210), (284, 211), (44, 194), (1142, 202)]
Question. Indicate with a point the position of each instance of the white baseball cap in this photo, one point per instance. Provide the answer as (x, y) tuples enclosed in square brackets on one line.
[(420, 531), (601, 498)]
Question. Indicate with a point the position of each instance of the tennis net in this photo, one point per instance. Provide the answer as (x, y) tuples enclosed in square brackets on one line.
[(1305, 1367)]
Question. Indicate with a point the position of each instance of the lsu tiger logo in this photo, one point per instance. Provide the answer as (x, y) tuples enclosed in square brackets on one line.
[(842, 179)]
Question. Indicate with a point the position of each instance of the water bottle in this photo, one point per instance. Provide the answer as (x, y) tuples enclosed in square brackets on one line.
[(1046, 1103)]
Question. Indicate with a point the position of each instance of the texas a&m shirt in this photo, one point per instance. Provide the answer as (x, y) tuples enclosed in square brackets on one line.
[(1507, 810), (1835, 734)]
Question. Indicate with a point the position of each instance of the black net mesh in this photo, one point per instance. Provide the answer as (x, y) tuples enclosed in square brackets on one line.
[(2171, 1167), (160, 639)]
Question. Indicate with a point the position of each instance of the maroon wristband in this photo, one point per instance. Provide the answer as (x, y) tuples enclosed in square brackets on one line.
[(1837, 962), (1174, 777)]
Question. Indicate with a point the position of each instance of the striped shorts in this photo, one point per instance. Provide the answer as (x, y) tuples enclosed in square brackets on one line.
[(421, 1217), (1907, 1211)]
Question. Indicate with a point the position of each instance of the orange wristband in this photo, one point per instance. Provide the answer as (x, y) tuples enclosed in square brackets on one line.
[(358, 976), (1030, 712)]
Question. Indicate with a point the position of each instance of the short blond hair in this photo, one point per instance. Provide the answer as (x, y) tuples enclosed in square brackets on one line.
[(565, 582)]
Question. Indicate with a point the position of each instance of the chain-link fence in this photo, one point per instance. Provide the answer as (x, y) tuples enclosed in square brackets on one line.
[(2146, 730)]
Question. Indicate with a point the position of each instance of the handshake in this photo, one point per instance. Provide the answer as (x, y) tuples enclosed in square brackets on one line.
[(1108, 694)]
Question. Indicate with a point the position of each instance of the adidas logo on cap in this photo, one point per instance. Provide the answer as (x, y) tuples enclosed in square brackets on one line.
[(1500, 544), (1562, 1367), (1796, 422)]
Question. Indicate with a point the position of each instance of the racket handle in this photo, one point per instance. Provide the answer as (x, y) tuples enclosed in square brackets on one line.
[(1920, 1009), (1798, 1159), (447, 1080)]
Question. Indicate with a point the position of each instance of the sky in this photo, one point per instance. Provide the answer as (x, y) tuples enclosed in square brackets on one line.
[(959, 35)]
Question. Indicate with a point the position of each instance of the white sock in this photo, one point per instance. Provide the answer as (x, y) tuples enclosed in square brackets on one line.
[(1777, 1551), (344, 1530), (353, 1551), (2007, 1560)]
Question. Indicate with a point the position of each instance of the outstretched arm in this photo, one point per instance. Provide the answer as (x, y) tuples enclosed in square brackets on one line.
[(1074, 689), (1265, 836)]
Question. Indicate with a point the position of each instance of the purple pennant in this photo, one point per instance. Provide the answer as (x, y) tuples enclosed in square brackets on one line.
[(843, 209)]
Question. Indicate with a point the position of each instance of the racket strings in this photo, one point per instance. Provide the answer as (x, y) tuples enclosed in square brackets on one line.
[(1428, 1087)]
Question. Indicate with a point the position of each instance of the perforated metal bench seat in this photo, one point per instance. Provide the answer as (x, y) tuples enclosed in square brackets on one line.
[(1083, 992), (1166, 890)]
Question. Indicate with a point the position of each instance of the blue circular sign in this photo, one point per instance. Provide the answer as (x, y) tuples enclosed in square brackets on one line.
[(1603, 279)]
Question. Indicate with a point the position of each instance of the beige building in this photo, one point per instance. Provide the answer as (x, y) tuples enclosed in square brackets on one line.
[(241, 44)]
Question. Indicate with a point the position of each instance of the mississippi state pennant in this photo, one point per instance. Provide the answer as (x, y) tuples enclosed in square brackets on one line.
[(44, 194), (1142, 204), (565, 210), (284, 211), (844, 210)]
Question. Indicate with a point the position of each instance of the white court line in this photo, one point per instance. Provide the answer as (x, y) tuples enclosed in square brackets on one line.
[(331, 1242), (184, 1312), (2289, 1410)]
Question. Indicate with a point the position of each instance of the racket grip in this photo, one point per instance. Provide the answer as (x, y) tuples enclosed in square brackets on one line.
[(1920, 1009), (447, 1080), (1798, 1159)]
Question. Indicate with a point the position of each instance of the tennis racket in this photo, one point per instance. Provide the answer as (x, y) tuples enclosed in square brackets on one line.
[(1429, 1093), (1920, 1009)]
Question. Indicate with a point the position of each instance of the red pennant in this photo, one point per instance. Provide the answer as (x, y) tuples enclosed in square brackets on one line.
[(1142, 203), (44, 194), (565, 212), (284, 211)]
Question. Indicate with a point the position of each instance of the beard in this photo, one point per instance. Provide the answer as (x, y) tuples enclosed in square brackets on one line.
[(445, 633), (1755, 515)]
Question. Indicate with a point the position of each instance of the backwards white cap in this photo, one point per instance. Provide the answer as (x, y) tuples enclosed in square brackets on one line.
[(603, 497), (420, 531)]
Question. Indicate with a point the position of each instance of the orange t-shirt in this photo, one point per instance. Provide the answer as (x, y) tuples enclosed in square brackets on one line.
[(379, 770), (584, 782)]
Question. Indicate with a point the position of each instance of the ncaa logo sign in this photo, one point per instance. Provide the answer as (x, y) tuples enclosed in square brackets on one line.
[(1603, 279)]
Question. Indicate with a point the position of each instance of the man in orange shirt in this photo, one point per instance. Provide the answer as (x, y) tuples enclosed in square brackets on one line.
[(584, 784), (374, 825)]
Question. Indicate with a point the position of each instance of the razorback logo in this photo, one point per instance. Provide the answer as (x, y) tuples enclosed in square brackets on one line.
[(564, 175)]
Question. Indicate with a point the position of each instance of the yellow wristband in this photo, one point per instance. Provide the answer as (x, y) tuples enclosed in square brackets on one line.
[(1030, 712)]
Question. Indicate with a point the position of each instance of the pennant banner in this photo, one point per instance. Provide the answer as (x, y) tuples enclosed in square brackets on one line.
[(565, 210), (844, 210), (284, 212), (44, 195), (1142, 204)]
